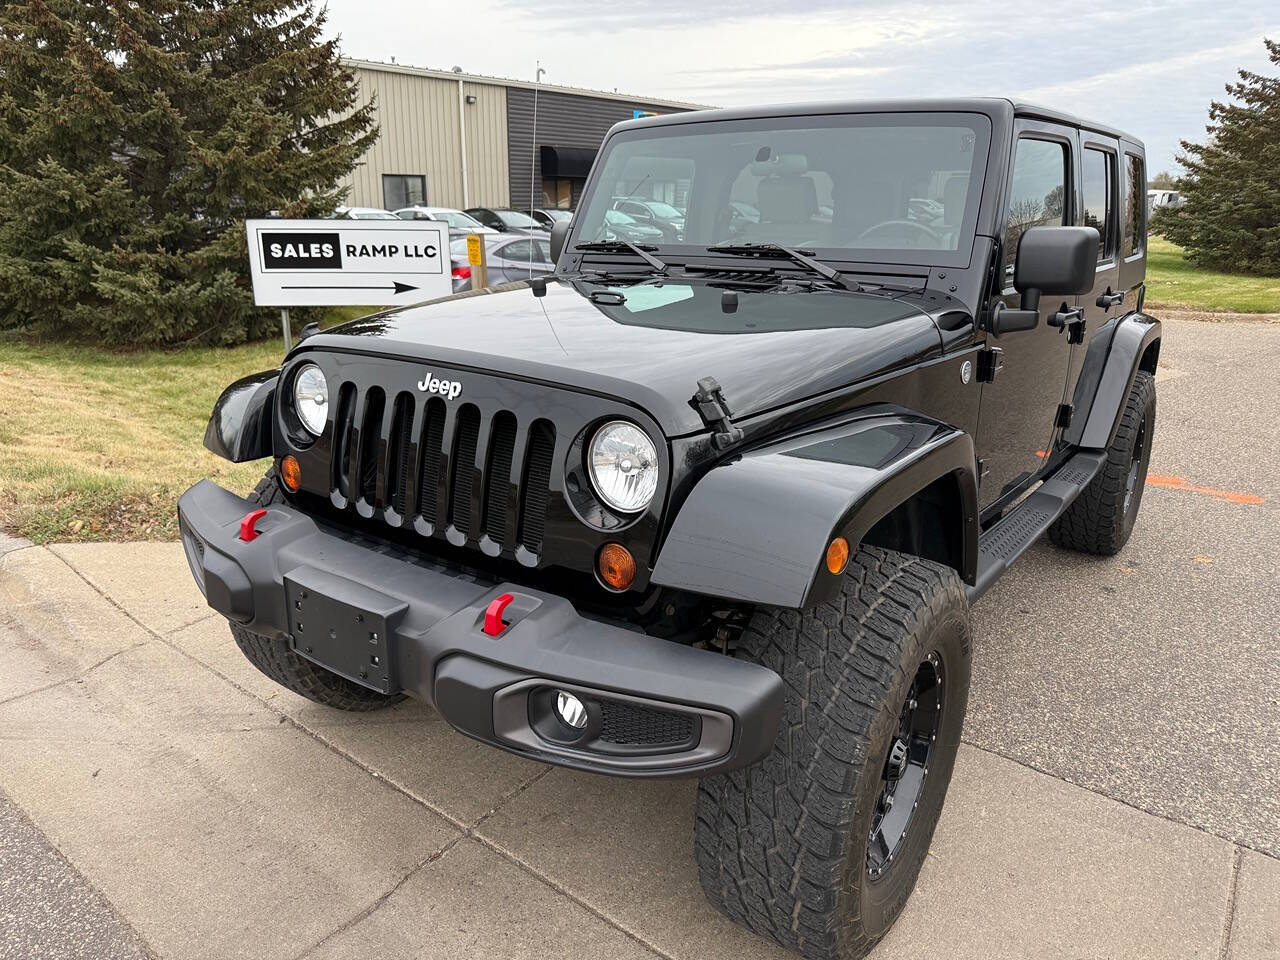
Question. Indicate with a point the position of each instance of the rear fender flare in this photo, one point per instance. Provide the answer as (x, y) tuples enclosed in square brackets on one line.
[(756, 527), (1111, 363), (239, 429)]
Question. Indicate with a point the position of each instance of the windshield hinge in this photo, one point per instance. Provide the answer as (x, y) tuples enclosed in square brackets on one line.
[(710, 404)]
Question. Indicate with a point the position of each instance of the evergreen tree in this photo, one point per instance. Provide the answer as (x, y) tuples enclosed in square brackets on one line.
[(136, 138), (1231, 218)]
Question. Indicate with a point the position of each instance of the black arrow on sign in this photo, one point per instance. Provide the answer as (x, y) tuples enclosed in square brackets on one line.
[(395, 285)]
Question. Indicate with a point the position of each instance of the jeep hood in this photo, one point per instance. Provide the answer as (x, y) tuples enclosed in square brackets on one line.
[(650, 343)]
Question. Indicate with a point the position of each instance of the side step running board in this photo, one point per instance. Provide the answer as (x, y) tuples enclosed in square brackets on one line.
[(1008, 539)]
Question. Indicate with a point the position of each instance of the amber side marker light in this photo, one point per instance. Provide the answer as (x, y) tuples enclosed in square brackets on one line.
[(838, 555), (616, 566), (291, 474)]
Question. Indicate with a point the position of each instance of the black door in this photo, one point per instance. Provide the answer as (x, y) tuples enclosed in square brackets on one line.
[(1019, 409)]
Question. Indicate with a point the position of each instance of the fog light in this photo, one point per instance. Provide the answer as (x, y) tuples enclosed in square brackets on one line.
[(571, 711)]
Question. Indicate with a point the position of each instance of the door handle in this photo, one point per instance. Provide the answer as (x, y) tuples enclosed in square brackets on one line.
[(1108, 300), (1066, 316)]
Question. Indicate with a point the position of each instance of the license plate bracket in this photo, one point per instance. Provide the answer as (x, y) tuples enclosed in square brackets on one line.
[(344, 627)]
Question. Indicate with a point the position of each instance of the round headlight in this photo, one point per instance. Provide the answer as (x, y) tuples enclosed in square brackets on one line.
[(311, 397), (624, 466)]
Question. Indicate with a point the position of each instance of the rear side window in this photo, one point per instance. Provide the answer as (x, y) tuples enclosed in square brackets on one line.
[(1037, 192), (1098, 191), (1135, 212)]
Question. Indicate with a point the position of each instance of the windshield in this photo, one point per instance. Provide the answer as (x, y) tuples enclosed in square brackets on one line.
[(513, 218), (871, 187), (456, 218), (558, 214)]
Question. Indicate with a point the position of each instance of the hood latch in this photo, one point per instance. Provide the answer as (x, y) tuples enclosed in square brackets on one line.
[(710, 404)]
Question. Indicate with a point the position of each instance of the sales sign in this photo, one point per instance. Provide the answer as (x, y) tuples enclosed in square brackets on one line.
[(299, 263)]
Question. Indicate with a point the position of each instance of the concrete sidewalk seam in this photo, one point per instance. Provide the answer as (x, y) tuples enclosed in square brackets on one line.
[(1233, 841), (466, 834), (1237, 857), (74, 677)]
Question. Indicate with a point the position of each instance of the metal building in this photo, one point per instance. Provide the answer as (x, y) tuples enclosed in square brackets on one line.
[(461, 140)]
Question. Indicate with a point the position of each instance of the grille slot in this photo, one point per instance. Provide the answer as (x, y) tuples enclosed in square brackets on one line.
[(398, 455), (370, 444), (463, 465), (497, 474), (345, 421), (634, 725), (429, 473), (534, 487)]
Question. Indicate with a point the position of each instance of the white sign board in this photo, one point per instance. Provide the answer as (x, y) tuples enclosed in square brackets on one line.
[(303, 263)]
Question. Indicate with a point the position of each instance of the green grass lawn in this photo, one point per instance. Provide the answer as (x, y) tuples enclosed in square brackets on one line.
[(97, 445), (1173, 282)]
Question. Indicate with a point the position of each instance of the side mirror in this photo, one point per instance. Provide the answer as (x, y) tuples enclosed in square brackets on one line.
[(1054, 260), (559, 233)]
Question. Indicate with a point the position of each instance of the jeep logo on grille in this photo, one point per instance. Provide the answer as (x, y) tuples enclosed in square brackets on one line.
[(449, 389)]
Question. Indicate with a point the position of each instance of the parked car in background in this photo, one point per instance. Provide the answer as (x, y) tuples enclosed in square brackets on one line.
[(548, 217), (620, 225), (509, 258), (363, 213), (1163, 198), (654, 213), (459, 223), (507, 221)]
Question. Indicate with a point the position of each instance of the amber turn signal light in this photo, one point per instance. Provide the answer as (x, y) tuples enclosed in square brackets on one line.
[(838, 555), (616, 566), (291, 474)]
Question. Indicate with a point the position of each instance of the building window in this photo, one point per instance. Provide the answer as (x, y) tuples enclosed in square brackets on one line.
[(1098, 191), (557, 192), (400, 190), (1135, 214)]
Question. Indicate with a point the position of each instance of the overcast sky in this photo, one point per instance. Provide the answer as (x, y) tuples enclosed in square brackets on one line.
[(1150, 68)]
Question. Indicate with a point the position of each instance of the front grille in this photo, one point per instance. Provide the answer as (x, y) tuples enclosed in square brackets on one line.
[(633, 725), (448, 470)]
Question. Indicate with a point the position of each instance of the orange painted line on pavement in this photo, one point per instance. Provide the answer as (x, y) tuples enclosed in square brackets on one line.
[(1179, 483)]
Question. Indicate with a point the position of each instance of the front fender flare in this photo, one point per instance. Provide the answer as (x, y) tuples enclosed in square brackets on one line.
[(756, 528), (240, 427)]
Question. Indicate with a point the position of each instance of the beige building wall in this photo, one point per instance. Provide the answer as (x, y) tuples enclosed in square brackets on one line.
[(419, 134)]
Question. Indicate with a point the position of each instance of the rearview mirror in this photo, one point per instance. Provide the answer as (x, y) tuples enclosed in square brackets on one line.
[(560, 233)]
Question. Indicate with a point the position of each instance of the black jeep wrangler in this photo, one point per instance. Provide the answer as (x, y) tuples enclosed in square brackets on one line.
[(718, 506)]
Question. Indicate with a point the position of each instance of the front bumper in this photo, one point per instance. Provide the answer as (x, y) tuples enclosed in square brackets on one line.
[(396, 622)]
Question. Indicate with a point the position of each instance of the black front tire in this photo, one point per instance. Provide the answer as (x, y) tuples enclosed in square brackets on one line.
[(785, 847), (277, 660), (1101, 518)]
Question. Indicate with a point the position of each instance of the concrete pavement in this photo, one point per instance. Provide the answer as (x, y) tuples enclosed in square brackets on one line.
[(1116, 796)]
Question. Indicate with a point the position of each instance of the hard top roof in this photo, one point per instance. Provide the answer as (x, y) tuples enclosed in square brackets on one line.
[(999, 109)]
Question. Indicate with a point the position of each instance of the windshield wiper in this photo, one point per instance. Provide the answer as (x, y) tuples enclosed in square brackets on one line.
[(621, 246), (797, 256)]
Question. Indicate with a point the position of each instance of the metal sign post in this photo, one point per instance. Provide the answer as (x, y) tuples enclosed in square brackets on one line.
[(286, 329)]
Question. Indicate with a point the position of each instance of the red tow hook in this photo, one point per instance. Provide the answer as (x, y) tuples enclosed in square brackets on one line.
[(493, 624), (249, 523)]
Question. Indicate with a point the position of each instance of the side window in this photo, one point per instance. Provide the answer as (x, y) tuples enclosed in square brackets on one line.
[(1135, 213), (1098, 192), (403, 190), (520, 251), (1037, 192), (542, 251)]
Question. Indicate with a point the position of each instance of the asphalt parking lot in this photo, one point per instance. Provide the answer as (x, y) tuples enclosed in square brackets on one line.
[(1118, 796)]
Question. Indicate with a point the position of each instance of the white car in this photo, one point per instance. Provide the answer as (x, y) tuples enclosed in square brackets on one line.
[(363, 213), (1163, 198), (459, 223)]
